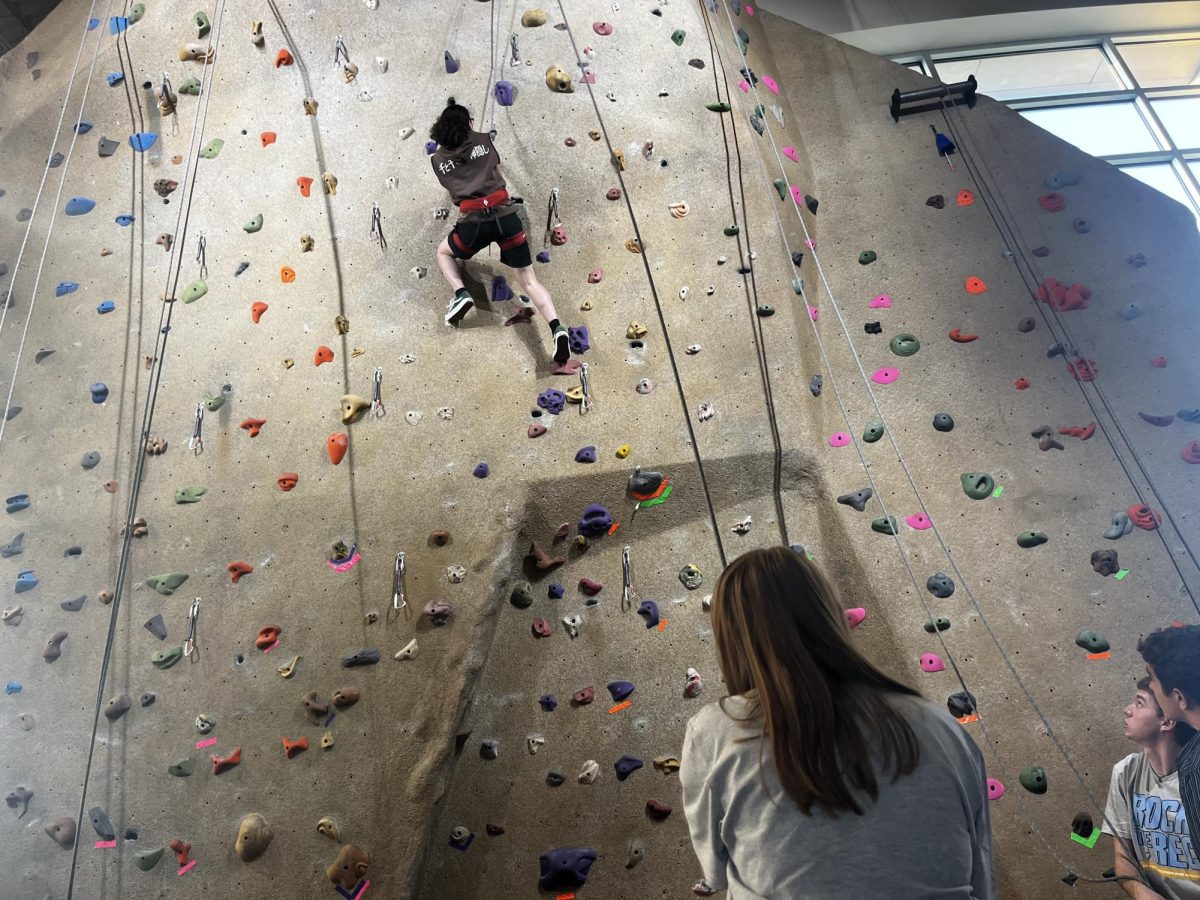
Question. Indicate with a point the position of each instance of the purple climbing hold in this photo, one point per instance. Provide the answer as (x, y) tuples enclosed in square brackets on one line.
[(586, 454), (620, 689), (548, 702), (430, 148), (505, 93), (552, 401), (565, 867), (649, 611), (556, 591), (578, 336), (626, 766), (452, 64), (500, 289), (481, 470), (595, 521), (99, 392), (543, 256)]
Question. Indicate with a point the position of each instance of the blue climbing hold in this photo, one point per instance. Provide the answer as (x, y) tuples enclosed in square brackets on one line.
[(16, 502), (1189, 415), (620, 689), (649, 611), (26, 581), (500, 289), (595, 521), (99, 392), (79, 206), (66, 287), (13, 687), (142, 141), (556, 591), (124, 220), (586, 455), (106, 306), (577, 336), (481, 470), (452, 64), (626, 766), (543, 256), (565, 867), (430, 147), (83, 127), (93, 24), (114, 78), (505, 93), (117, 24)]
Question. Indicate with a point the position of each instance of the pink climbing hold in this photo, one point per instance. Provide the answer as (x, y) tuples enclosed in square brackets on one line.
[(749, 9), (744, 86), (995, 789), (810, 244), (855, 616), (883, 301), (813, 313), (771, 84), (919, 521), (1159, 362), (797, 194), (931, 662), (839, 439), (790, 152), (885, 375), (602, 28)]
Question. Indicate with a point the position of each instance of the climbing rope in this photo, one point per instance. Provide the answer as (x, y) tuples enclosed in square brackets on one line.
[(687, 417), (182, 216), (900, 459), (66, 165), (1051, 316)]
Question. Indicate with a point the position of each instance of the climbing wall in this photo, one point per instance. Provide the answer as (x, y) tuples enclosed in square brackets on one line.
[(1014, 313)]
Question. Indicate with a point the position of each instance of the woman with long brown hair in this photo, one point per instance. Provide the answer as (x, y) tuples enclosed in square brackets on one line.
[(819, 776)]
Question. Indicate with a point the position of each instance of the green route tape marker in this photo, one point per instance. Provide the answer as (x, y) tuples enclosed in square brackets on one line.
[(1120, 576), (1088, 842), (998, 491)]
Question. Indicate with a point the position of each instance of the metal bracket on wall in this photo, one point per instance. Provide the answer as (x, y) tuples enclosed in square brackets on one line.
[(964, 89)]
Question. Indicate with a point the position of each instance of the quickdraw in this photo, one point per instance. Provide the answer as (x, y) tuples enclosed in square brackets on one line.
[(552, 218), (586, 403), (377, 227), (196, 442), (340, 53), (377, 406), (202, 256), (189, 643)]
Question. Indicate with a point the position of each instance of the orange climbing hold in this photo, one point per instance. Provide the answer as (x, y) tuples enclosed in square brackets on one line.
[(959, 338), (256, 311), (254, 426), (323, 355), (305, 184), (225, 763), (965, 198), (1081, 432), (291, 748), (283, 58), (1062, 297), (237, 569), (976, 285), (287, 274), (267, 138), (336, 445), (287, 481)]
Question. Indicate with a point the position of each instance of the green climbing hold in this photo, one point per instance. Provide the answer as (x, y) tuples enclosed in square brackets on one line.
[(190, 86), (677, 37), (212, 148), (183, 768), (873, 431), (148, 859), (1033, 779), (253, 225), (798, 285), (136, 12), (166, 584), (1029, 539), (732, 231), (718, 107), (765, 310), (905, 344), (200, 20), (884, 526), (742, 45), (164, 659), (212, 404), (867, 257), (1091, 642), (781, 188), (190, 494), (194, 291), (977, 485), (941, 623)]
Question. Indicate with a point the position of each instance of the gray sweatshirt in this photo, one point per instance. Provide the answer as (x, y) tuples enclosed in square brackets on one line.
[(928, 835)]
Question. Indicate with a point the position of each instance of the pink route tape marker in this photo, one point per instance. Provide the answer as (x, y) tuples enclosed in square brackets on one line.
[(105, 845), (187, 868), (207, 742), (366, 885)]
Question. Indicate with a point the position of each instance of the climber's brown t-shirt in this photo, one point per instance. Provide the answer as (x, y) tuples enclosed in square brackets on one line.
[(470, 172)]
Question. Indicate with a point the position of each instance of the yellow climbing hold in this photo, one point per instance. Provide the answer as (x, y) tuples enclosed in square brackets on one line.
[(623, 451)]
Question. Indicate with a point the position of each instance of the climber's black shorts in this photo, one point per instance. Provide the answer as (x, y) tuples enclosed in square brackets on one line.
[(468, 238)]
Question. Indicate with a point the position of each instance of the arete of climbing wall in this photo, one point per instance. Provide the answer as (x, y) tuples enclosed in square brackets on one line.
[(453, 772)]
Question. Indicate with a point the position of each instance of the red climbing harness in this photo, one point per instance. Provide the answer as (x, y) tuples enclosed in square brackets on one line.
[(477, 203)]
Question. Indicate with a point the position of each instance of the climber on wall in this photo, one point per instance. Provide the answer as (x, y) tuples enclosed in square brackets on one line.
[(468, 166)]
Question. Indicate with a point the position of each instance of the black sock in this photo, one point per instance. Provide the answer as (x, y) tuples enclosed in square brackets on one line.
[(462, 292), (554, 323)]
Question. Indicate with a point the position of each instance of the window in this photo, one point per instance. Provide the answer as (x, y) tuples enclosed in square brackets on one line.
[(1039, 74), (1163, 63), (1181, 117), (1161, 177)]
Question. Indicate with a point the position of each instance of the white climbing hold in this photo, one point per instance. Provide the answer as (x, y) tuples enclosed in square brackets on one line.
[(706, 603), (365, 95), (721, 260), (409, 651), (413, 416), (683, 292), (587, 775), (455, 574), (381, 64), (534, 742), (706, 411), (408, 358), (391, 182), (710, 290), (693, 349), (743, 527), (419, 271), (372, 4), (572, 624), (406, 132), (445, 412)]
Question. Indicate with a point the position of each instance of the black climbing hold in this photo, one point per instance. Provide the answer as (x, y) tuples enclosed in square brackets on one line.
[(867, 257), (367, 656), (797, 257), (937, 201), (522, 595), (858, 499), (943, 422), (940, 585), (1083, 825), (873, 328), (489, 749), (148, 698), (812, 203), (941, 623), (1026, 325), (1091, 642), (765, 310), (960, 704), (1029, 539), (554, 777), (696, 63), (1105, 562), (494, 830), (242, 267), (884, 526)]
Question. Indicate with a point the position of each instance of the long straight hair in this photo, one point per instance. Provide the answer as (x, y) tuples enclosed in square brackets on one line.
[(782, 638)]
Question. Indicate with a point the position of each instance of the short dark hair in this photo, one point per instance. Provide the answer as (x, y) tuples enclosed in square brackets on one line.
[(1174, 655), (1182, 731), (453, 126)]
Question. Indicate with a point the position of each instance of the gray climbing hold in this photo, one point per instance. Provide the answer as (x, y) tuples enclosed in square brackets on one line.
[(815, 384), (367, 656), (940, 585), (117, 707), (1129, 312), (1121, 526), (103, 825), (873, 431), (13, 547), (489, 749), (90, 459), (57, 160), (13, 412), (1189, 415), (156, 626), (1082, 226), (858, 499), (1026, 325), (183, 768), (41, 355), (107, 147), (522, 595), (943, 422), (1060, 180), (884, 526), (75, 604)]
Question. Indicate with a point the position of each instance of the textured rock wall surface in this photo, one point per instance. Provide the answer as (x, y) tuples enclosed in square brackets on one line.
[(406, 765)]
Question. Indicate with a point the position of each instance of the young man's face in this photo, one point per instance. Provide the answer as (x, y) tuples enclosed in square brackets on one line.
[(1143, 724), (1168, 702)]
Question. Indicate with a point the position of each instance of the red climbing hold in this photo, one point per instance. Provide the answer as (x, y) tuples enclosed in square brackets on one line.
[(1083, 433), (182, 850), (291, 748), (305, 185), (1191, 452), (1159, 362), (267, 138), (287, 481), (589, 587), (1061, 297), (1144, 517), (268, 636), (256, 311), (975, 285), (536, 429), (254, 426), (959, 338), (225, 763), (1052, 202), (283, 58), (323, 355), (336, 445), (657, 810), (237, 569), (1082, 369), (1021, 384), (965, 198)]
